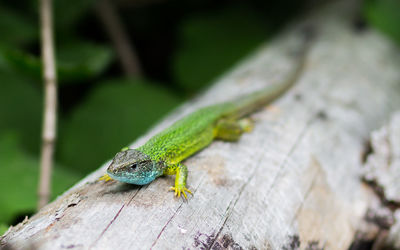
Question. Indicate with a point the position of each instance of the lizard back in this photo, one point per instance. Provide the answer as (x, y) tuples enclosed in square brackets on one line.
[(186, 136)]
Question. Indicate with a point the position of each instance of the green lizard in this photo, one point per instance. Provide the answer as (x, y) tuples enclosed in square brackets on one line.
[(163, 153)]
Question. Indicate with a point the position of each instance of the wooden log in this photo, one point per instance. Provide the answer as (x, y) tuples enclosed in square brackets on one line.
[(293, 182), (383, 164), (382, 172)]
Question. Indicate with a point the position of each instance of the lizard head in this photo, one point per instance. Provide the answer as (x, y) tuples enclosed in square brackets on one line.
[(134, 167)]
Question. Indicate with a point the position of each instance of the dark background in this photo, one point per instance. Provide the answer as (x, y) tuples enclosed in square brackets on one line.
[(182, 46)]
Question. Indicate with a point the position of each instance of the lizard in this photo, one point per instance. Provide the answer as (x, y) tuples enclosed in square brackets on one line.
[(163, 153)]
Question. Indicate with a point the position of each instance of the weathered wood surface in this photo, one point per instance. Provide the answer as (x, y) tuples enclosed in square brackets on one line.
[(295, 180), (382, 171), (392, 240), (383, 165)]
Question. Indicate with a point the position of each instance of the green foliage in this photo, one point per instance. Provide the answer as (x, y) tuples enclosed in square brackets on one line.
[(12, 21), (384, 15), (21, 62), (20, 176), (21, 99), (20, 108), (76, 61), (82, 60), (113, 115), (211, 43), (3, 228), (68, 13)]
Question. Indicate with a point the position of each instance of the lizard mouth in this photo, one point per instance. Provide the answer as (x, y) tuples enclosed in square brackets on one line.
[(137, 178), (131, 179)]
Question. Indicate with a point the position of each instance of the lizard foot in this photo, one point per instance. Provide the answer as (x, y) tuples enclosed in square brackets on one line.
[(105, 178), (247, 124), (180, 190)]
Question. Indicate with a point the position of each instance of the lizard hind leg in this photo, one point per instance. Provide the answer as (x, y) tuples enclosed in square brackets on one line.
[(231, 130)]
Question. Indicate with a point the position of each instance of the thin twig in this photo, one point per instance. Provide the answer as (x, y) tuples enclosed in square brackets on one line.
[(116, 31), (50, 102)]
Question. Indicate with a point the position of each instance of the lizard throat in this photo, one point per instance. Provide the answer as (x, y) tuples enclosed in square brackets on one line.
[(141, 176), (141, 179)]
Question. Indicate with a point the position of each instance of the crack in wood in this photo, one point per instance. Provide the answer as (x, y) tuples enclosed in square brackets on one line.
[(229, 209), (296, 143), (115, 217), (171, 218), (379, 191), (166, 224), (311, 187)]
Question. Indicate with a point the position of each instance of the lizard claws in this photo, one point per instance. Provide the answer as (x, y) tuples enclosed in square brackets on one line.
[(179, 190)]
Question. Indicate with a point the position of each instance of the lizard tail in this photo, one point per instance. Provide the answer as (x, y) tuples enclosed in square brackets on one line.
[(250, 103)]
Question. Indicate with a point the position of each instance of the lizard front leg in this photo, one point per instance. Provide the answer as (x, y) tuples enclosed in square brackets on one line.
[(181, 173)]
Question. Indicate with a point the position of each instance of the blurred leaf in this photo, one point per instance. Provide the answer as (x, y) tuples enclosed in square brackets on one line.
[(69, 12), (212, 44), (384, 15), (21, 108), (3, 228), (21, 61), (20, 177), (16, 29), (4, 65), (76, 61), (112, 116), (66, 16)]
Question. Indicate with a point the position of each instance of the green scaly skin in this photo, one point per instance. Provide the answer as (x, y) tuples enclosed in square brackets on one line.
[(163, 153)]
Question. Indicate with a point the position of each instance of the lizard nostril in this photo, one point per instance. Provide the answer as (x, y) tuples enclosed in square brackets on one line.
[(112, 169)]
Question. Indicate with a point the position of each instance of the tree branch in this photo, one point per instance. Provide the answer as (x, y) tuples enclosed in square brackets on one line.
[(50, 102), (116, 31)]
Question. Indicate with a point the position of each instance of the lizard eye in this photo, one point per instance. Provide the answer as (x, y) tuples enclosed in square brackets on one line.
[(132, 166)]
